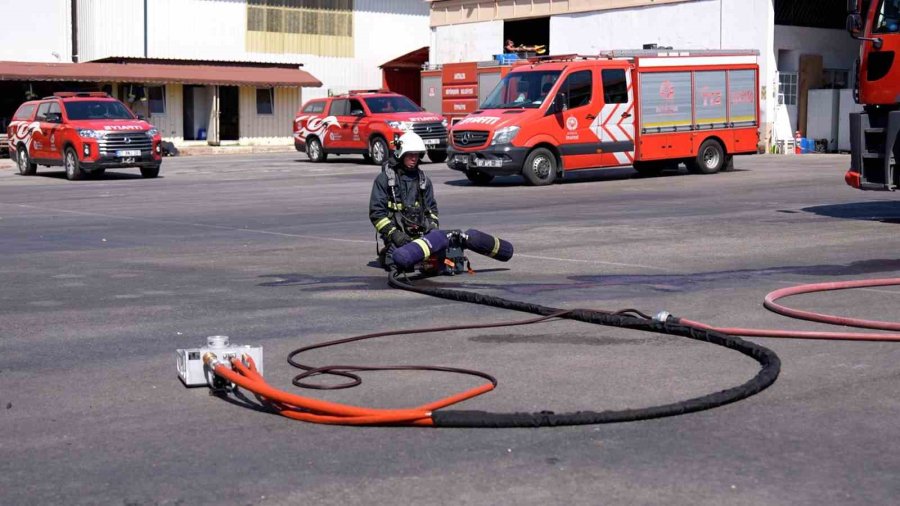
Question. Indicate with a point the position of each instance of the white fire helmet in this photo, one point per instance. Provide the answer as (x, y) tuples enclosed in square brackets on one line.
[(410, 142)]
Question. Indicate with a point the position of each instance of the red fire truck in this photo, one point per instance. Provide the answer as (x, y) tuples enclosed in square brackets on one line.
[(650, 109), (873, 133)]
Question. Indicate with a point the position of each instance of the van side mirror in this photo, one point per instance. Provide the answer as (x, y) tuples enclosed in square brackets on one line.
[(560, 103), (141, 117), (854, 23), (359, 113), (53, 117)]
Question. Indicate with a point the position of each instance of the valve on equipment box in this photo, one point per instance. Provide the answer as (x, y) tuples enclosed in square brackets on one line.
[(195, 364)]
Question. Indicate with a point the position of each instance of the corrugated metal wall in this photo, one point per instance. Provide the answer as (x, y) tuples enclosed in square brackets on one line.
[(171, 124), (110, 28), (36, 31), (276, 128), (382, 31)]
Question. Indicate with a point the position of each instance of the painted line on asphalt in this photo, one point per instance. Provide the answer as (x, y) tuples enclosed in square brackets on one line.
[(188, 223), (597, 262)]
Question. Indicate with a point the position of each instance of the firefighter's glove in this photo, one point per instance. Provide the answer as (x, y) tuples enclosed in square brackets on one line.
[(431, 225), (399, 238)]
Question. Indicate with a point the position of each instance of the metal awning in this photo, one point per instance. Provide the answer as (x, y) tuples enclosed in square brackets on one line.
[(412, 60), (225, 75)]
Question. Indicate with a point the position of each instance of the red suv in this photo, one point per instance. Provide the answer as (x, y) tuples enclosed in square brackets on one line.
[(83, 132), (364, 123)]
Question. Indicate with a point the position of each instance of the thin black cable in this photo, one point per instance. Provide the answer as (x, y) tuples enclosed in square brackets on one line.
[(346, 371)]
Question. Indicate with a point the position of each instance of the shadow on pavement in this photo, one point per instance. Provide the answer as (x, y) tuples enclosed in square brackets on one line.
[(883, 211)]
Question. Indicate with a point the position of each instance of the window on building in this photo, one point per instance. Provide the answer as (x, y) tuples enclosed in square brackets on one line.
[(787, 87), (615, 87), (312, 17), (265, 101), (836, 79), (315, 107), (156, 97), (577, 88), (529, 37)]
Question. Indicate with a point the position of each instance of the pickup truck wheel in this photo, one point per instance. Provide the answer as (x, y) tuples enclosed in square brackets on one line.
[(315, 151), (437, 156), (150, 172), (478, 177), (26, 168), (72, 165), (540, 167), (378, 149), (710, 158)]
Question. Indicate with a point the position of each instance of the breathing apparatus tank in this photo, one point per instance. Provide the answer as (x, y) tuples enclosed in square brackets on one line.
[(436, 242)]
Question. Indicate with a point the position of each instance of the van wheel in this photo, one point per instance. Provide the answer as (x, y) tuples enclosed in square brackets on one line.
[(710, 158), (26, 168), (378, 150), (73, 166), (437, 156), (150, 172), (540, 167), (315, 151), (478, 177)]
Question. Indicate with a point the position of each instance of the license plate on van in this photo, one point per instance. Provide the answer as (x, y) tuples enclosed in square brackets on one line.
[(128, 153), (481, 162), (431, 142)]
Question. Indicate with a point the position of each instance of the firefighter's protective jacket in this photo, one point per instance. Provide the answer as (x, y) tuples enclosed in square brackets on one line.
[(400, 197)]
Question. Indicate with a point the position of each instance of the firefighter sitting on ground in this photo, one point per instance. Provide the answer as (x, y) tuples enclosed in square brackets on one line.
[(402, 206)]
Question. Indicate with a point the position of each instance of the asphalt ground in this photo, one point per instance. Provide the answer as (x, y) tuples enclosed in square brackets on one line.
[(103, 279)]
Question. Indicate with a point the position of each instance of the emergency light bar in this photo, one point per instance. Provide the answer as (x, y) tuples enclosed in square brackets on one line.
[(69, 94)]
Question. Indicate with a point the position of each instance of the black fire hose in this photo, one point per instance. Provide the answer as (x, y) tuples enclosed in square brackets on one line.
[(770, 366)]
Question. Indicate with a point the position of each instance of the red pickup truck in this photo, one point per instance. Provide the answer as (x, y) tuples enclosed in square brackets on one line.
[(364, 123), (84, 133)]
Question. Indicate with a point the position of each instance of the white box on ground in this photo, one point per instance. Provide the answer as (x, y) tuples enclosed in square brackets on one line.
[(194, 373)]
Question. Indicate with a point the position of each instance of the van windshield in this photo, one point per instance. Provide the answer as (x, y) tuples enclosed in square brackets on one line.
[(522, 89), (383, 105), (97, 109)]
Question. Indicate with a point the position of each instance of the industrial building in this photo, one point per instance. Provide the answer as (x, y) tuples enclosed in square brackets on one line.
[(802, 43), (205, 71)]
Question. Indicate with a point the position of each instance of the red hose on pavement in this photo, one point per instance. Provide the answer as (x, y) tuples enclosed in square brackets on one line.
[(771, 304)]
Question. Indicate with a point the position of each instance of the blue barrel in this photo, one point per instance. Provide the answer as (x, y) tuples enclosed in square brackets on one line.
[(807, 146)]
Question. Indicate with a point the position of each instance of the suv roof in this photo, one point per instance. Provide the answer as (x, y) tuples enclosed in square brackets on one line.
[(69, 96), (368, 93)]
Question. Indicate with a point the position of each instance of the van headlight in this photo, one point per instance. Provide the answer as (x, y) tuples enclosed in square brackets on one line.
[(504, 135), (153, 132)]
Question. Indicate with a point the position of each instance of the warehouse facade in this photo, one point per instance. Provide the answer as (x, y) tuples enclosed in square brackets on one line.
[(802, 43), (315, 48)]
